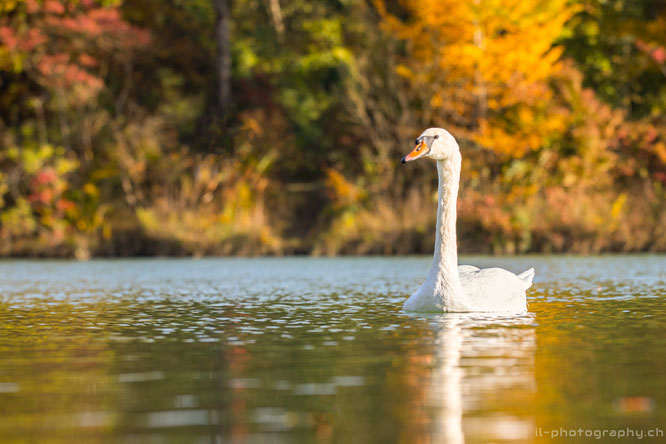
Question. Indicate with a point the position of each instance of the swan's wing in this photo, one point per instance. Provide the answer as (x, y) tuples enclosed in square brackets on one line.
[(467, 269), (527, 276), (494, 289)]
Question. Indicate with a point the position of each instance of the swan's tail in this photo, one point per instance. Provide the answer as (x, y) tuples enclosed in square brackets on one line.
[(527, 276)]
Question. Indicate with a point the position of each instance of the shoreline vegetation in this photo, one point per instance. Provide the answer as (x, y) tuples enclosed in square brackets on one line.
[(218, 127)]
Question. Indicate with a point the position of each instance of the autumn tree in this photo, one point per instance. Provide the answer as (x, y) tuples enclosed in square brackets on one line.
[(485, 65), (54, 59)]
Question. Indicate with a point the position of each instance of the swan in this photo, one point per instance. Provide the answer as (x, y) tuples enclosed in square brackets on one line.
[(449, 287)]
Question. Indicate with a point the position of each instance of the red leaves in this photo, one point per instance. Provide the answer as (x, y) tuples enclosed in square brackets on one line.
[(86, 60), (8, 38), (32, 6), (45, 177), (53, 7), (46, 191), (655, 52), (104, 24), (61, 44), (57, 71), (43, 187), (65, 205)]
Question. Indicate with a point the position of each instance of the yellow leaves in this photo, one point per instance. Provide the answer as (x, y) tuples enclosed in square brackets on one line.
[(106, 231), (65, 165), (660, 150), (436, 100), (148, 219), (7, 6), (9, 61), (404, 71), (33, 158), (252, 125), (4, 188), (342, 191), (90, 189), (18, 219), (618, 205), (492, 61), (214, 203)]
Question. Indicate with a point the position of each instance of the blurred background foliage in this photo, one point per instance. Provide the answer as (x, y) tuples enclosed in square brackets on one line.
[(199, 127)]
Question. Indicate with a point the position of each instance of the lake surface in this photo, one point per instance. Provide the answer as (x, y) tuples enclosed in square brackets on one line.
[(318, 350)]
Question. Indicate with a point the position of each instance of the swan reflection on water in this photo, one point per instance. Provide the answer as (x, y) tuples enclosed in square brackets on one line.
[(480, 360)]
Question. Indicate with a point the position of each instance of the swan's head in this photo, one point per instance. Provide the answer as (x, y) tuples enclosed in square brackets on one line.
[(436, 143)]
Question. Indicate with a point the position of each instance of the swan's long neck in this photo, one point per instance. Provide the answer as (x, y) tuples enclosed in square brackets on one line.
[(445, 264)]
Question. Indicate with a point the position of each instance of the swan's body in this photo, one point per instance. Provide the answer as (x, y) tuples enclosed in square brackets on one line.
[(449, 287)]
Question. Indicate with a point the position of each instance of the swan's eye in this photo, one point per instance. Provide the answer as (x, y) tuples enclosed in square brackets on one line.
[(436, 137)]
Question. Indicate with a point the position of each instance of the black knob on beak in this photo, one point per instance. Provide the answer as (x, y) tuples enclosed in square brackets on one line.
[(403, 161)]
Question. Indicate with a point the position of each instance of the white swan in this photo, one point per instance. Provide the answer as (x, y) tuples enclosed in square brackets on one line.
[(449, 287)]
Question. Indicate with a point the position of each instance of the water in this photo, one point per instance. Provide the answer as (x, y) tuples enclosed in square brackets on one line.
[(303, 350)]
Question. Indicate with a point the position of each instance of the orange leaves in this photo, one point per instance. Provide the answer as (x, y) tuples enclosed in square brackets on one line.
[(341, 191)]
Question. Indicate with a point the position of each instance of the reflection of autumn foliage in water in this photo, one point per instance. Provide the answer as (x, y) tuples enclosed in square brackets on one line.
[(563, 380), (418, 415), (237, 358), (44, 345), (304, 350)]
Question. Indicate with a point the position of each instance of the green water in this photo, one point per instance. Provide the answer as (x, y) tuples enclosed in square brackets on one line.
[(303, 350)]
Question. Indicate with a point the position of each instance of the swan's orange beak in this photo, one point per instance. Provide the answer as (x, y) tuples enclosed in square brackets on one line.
[(420, 150)]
